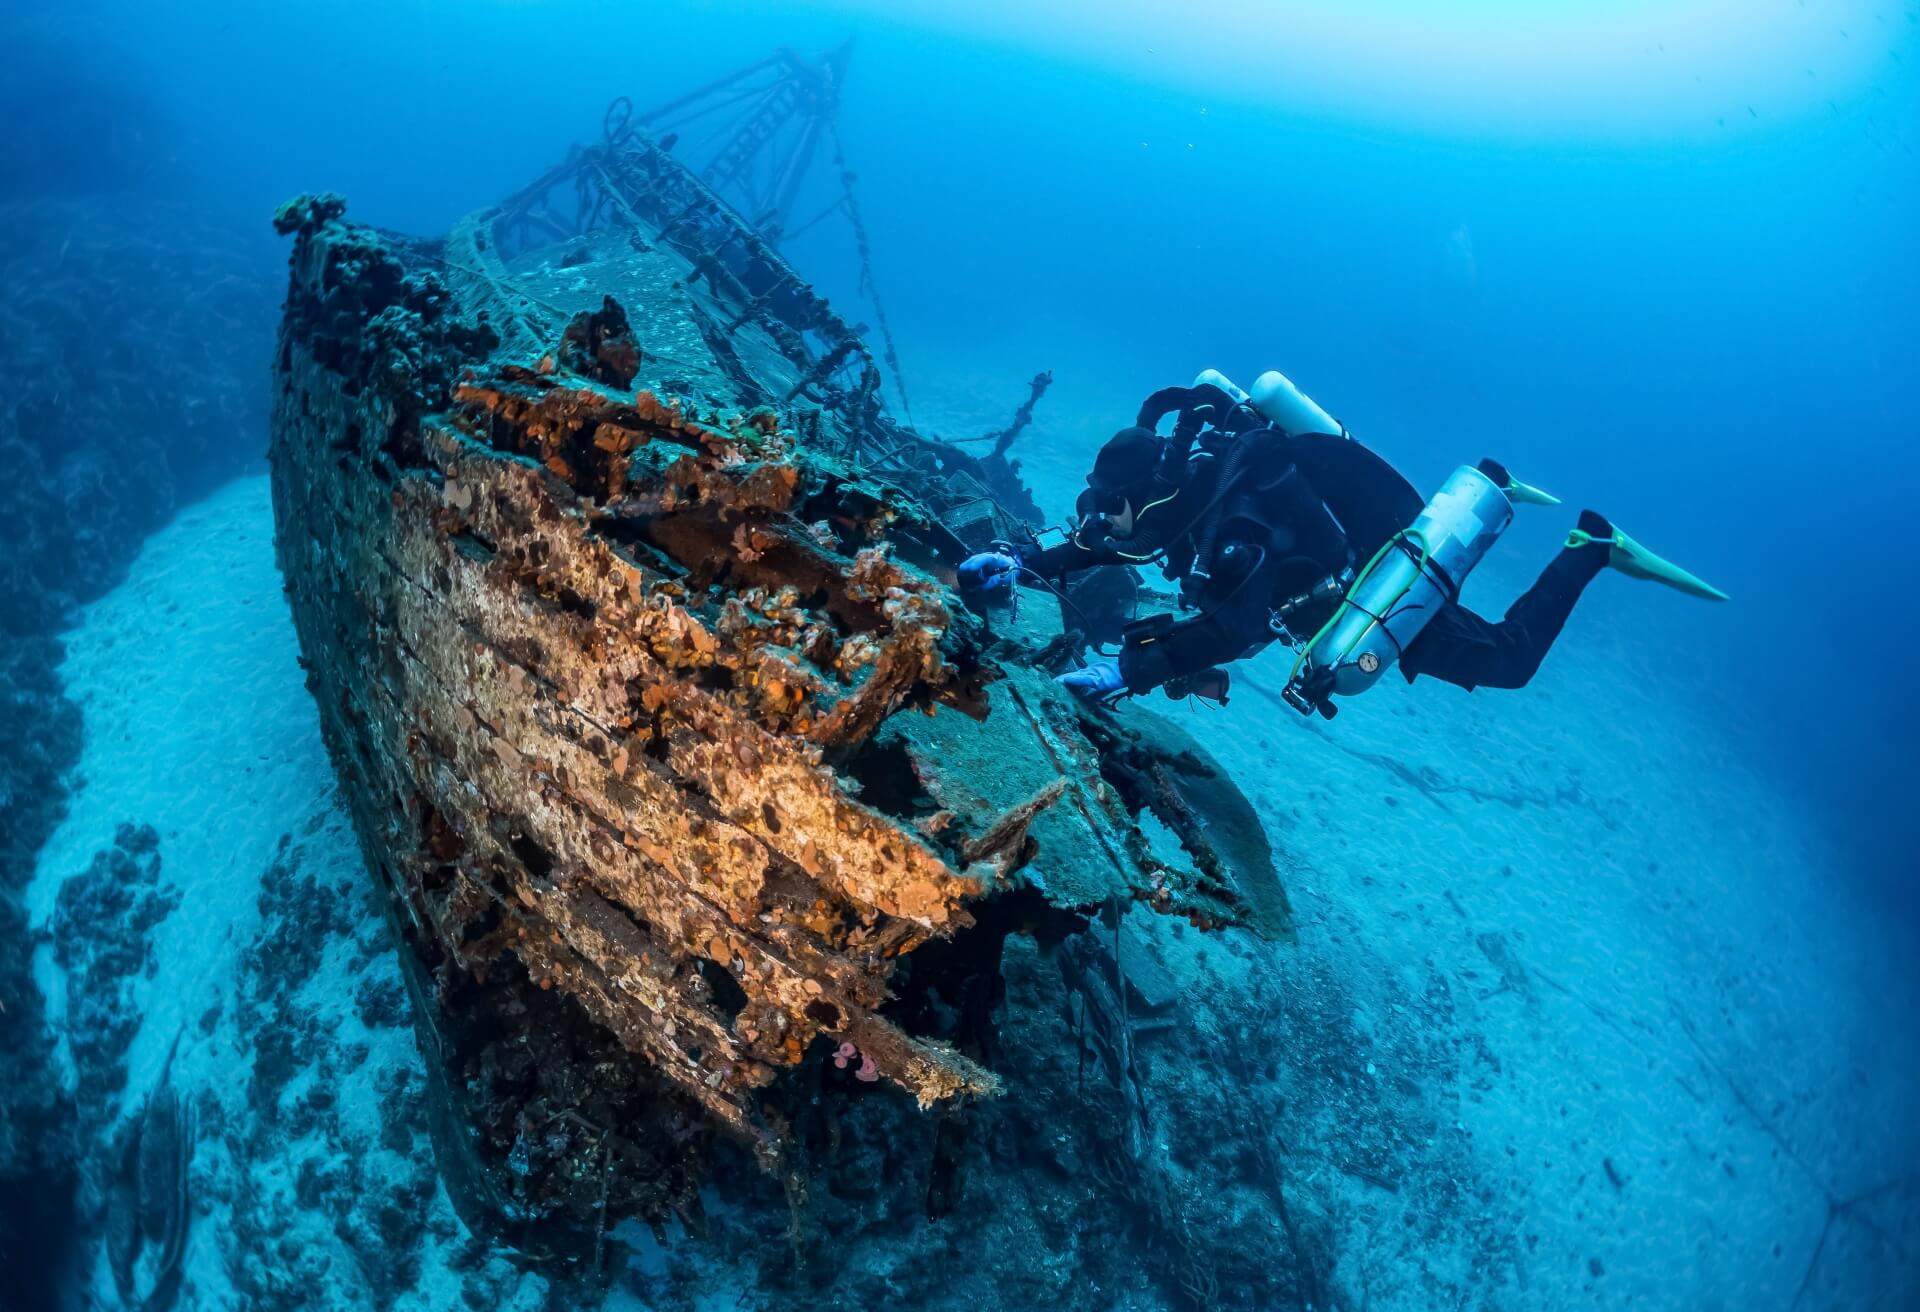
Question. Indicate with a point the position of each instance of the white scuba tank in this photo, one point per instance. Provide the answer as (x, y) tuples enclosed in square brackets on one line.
[(1288, 408), (1275, 399), (1418, 571), (1214, 378)]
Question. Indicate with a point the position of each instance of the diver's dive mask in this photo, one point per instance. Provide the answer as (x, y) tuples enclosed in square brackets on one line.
[(1105, 512)]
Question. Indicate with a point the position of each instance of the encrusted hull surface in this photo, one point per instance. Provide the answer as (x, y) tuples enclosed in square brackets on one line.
[(664, 737)]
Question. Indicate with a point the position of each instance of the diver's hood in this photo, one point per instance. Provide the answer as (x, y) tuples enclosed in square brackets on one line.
[(1122, 479), (1128, 459)]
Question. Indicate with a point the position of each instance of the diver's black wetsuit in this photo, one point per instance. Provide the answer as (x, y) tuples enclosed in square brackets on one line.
[(1297, 510), (1458, 646)]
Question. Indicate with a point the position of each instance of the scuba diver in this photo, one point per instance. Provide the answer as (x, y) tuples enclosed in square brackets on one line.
[(1276, 525)]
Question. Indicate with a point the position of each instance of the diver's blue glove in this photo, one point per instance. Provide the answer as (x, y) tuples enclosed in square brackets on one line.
[(1098, 682), (988, 571)]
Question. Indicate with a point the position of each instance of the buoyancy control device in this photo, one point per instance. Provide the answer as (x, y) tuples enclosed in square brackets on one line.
[(1418, 570), (1276, 401)]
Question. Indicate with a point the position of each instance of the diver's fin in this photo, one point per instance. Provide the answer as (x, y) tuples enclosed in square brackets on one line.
[(1521, 494), (1526, 494), (1635, 561)]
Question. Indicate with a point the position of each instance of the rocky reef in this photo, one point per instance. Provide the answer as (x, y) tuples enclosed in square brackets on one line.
[(131, 332), (688, 778), (101, 942)]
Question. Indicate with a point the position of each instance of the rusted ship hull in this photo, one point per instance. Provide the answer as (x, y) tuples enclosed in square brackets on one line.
[(658, 726)]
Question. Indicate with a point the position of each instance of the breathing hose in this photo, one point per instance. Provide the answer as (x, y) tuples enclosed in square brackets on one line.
[(1210, 531)]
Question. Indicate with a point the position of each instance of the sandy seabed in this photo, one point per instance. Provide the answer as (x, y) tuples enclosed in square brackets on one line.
[(1683, 1073)]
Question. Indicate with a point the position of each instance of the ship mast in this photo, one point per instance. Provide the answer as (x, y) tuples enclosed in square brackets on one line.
[(760, 129), (754, 137)]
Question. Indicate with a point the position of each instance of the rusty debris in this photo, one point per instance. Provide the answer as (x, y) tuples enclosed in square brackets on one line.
[(626, 609)]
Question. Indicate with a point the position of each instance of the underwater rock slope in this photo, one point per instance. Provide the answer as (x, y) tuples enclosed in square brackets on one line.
[(628, 703)]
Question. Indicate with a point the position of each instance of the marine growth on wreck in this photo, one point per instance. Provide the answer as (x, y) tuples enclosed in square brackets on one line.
[(696, 793)]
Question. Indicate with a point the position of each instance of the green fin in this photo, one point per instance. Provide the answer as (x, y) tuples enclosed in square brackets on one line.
[(1526, 494), (1635, 561)]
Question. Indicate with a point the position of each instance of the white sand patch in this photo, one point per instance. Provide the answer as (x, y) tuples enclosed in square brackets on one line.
[(1657, 942), (1648, 936), (197, 721)]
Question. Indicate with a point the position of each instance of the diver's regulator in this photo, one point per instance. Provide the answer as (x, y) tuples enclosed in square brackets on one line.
[(1330, 588)]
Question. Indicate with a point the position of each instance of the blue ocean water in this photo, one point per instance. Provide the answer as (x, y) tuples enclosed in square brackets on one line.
[(1658, 259)]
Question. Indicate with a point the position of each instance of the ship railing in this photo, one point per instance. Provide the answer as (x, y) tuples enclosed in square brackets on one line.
[(629, 181)]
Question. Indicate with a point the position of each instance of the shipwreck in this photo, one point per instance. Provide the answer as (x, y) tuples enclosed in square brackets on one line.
[(694, 791)]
